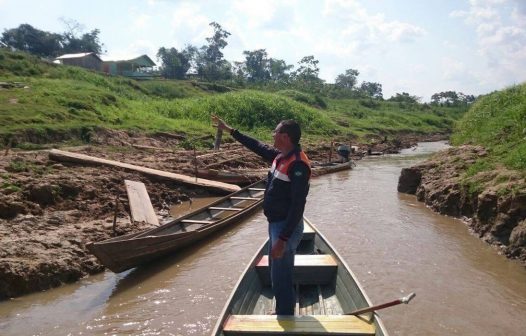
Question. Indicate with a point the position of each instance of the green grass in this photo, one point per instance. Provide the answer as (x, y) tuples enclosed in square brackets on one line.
[(62, 101), (497, 122)]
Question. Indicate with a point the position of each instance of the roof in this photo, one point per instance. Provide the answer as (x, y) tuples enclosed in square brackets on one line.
[(79, 55), (143, 61)]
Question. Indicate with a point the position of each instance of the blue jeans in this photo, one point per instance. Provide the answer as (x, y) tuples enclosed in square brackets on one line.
[(281, 270)]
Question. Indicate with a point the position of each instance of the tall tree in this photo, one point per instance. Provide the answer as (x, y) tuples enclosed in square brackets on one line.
[(74, 40), (279, 70), (257, 65), (210, 62), (306, 76), (175, 64), (347, 80), (27, 38)]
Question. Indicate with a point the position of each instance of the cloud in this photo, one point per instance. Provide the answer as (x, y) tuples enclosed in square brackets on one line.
[(189, 25), (501, 38), (357, 24)]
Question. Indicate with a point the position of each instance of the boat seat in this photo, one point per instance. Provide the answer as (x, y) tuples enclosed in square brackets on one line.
[(225, 209), (310, 269), (196, 221), (297, 325), (308, 232)]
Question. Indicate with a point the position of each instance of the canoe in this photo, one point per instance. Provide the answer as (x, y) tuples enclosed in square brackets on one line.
[(326, 289), (128, 251), (246, 176)]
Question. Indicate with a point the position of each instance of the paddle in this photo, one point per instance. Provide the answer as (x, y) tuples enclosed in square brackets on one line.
[(404, 299)]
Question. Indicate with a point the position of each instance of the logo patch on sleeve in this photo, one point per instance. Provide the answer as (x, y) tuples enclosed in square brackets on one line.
[(298, 173)]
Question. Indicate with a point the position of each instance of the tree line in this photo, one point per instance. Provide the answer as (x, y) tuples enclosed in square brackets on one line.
[(207, 62)]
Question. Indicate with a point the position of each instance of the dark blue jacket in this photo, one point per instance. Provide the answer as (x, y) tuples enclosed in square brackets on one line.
[(283, 200)]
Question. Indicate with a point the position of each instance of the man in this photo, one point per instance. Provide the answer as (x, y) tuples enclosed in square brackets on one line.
[(283, 205)]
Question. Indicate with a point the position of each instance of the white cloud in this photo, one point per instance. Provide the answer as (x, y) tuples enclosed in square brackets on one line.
[(501, 38), (358, 26), (133, 50)]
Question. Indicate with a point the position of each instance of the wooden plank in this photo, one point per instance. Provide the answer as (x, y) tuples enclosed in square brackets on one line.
[(140, 204), (297, 325), (196, 221), (256, 189), (225, 209), (309, 269), (59, 155), (245, 198)]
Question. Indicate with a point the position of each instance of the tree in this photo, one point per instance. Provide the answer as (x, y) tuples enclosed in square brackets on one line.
[(372, 90), (75, 41), (210, 63), (257, 65), (88, 42), (405, 97), (347, 80), (451, 98), (32, 40), (306, 77), (279, 70), (175, 64)]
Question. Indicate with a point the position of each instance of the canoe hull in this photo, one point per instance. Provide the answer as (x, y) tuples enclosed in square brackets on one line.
[(127, 251), (319, 299)]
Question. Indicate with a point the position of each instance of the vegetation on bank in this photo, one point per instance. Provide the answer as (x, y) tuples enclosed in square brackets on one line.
[(45, 100), (497, 122)]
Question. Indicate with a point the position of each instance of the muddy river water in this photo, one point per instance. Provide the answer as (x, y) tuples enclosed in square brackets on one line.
[(394, 245)]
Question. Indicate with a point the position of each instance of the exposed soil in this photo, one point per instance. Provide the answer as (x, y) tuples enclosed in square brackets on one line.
[(497, 213), (49, 210)]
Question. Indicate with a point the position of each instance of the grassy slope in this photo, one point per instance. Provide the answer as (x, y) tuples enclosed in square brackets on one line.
[(497, 122), (65, 98)]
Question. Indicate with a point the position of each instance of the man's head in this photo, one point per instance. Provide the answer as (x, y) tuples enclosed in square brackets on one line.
[(287, 135)]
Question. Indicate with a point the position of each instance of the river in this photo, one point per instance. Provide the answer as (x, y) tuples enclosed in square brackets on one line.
[(393, 244)]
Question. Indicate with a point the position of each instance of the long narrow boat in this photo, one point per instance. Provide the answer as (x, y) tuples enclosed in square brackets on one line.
[(127, 251), (326, 290), (246, 176)]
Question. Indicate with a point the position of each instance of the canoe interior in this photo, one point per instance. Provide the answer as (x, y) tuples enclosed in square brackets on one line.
[(127, 251), (317, 294)]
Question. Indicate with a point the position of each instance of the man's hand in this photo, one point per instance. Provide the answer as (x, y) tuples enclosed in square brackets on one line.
[(219, 123), (278, 249)]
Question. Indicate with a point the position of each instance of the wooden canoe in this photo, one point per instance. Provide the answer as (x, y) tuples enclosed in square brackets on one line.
[(242, 176), (127, 251), (326, 289)]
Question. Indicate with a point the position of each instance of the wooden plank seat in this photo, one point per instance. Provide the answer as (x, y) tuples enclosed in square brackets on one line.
[(309, 269), (308, 232), (245, 198), (256, 189), (297, 325), (225, 209), (196, 221)]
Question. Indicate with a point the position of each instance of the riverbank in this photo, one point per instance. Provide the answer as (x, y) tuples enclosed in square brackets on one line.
[(492, 203), (49, 210)]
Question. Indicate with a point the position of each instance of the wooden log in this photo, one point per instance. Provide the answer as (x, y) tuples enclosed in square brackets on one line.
[(64, 156)]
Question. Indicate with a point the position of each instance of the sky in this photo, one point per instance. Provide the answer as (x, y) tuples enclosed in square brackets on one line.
[(414, 46)]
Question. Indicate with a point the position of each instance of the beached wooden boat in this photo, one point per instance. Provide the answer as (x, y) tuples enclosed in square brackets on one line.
[(326, 290), (127, 251), (246, 176)]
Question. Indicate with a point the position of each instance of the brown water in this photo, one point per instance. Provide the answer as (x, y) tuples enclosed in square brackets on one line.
[(393, 244)]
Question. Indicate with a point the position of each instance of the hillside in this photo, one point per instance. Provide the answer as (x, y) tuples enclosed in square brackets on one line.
[(45, 102)]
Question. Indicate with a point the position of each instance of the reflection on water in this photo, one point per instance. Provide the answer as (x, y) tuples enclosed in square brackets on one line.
[(394, 245)]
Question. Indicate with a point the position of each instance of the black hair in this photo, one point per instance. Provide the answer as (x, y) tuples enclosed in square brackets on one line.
[(292, 129)]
